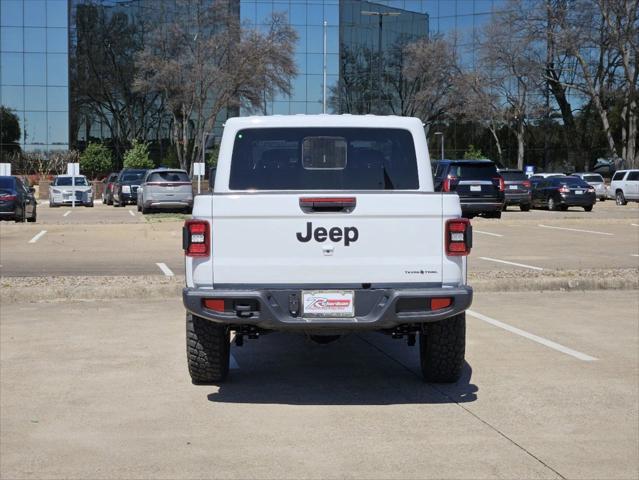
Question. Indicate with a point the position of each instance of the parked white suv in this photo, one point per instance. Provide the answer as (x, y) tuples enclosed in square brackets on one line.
[(624, 186), (325, 225)]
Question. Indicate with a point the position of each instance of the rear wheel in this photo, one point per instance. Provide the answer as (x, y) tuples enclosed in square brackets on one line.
[(22, 217), (620, 198), (442, 346), (588, 208), (145, 210), (207, 350), (33, 217), (524, 207)]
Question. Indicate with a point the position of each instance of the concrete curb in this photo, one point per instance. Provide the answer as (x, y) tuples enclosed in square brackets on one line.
[(87, 288)]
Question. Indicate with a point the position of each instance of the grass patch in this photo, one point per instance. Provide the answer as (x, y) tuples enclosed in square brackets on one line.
[(166, 217)]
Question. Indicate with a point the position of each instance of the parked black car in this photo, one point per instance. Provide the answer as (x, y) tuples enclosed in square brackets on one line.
[(559, 193), (107, 190), (125, 188), (16, 200), (478, 184), (517, 189)]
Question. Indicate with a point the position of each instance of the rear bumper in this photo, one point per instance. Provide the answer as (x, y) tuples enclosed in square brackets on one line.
[(517, 198), (481, 207), (578, 200), (158, 203), (375, 309), (128, 197)]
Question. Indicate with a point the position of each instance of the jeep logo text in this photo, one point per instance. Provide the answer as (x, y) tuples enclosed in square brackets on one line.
[(334, 234)]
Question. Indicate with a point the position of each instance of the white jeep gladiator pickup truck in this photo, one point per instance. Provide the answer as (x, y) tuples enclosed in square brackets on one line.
[(325, 225)]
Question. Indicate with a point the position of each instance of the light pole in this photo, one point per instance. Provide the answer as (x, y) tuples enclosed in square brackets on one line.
[(324, 71), (442, 142), (381, 16)]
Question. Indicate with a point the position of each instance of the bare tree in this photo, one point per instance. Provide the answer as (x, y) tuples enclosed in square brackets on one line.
[(103, 70), (513, 72), (427, 80), (591, 49), (622, 24), (202, 60), (478, 102)]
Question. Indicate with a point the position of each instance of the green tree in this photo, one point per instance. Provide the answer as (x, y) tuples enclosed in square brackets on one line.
[(473, 153), (138, 156), (9, 131), (96, 160)]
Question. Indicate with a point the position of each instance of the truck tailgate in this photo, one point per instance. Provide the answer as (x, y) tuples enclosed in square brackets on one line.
[(268, 239)]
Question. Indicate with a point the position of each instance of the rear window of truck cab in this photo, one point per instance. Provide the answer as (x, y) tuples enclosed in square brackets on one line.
[(323, 159)]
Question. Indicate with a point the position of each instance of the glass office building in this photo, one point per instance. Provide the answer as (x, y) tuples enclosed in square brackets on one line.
[(34, 72), (41, 40)]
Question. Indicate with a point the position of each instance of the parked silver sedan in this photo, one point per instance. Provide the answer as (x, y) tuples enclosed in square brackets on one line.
[(165, 189), (64, 188), (594, 180)]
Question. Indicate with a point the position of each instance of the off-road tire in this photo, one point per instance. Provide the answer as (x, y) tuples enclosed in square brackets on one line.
[(588, 208), (207, 350), (442, 346), (620, 198), (525, 207)]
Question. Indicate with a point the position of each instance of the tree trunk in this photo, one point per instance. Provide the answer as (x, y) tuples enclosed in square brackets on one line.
[(497, 143), (520, 145)]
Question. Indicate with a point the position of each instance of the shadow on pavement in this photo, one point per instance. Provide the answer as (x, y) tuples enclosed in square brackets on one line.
[(291, 370)]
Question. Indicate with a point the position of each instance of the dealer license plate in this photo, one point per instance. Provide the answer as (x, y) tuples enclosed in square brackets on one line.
[(579, 192), (513, 187), (475, 188), (328, 303)]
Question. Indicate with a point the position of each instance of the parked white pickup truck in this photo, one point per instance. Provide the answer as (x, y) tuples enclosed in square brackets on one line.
[(325, 225)]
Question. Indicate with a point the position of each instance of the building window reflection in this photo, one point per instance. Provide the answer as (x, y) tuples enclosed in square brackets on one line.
[(34, 79)]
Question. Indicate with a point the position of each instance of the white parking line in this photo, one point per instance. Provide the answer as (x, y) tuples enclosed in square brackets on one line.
[(66, 213), (635, 224), (37, 237), (233, 365), (511, 263), (576, 230), (165, 270), (634, 255), (534, 338), (132, 213), (487, 233)]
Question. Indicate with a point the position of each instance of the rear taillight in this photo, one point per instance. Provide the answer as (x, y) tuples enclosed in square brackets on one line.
[(500, 183), (438, 303), (215, 304), (459, 237), (196, 238), (448, 183), (526, 183), (564, 189)]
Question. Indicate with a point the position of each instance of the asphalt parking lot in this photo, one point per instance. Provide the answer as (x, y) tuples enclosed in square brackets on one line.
[(94, 382), (101, 391), (120, 241)]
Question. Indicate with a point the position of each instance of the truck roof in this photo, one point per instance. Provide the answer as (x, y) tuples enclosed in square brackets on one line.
[(325, 120)]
